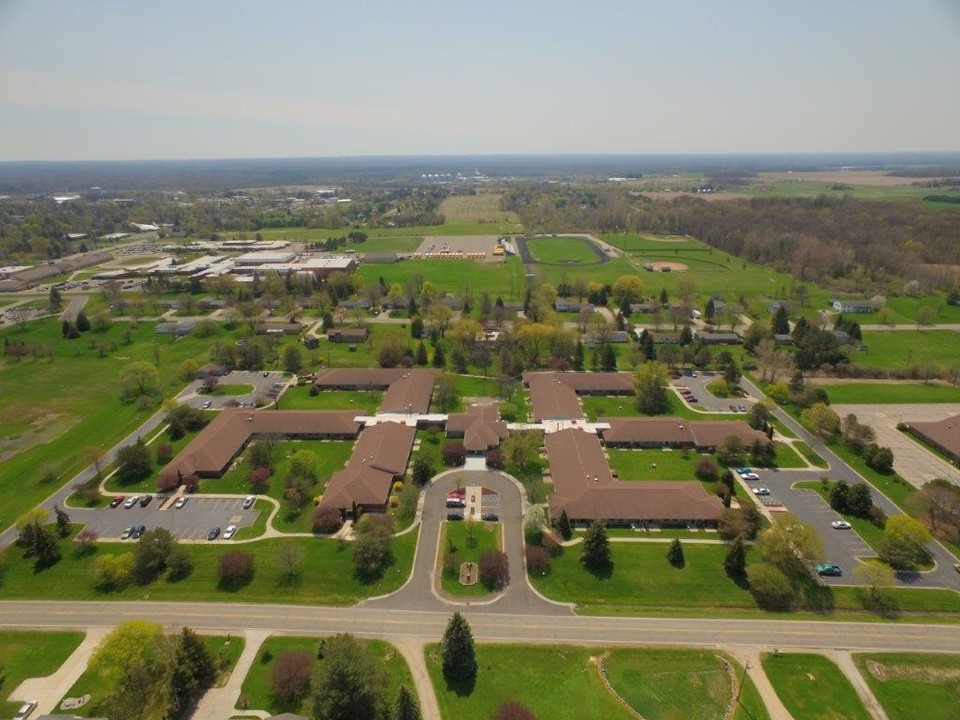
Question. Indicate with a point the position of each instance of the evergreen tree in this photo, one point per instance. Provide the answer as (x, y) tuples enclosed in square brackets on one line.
[(840, 496), (860, 500), (710, 310), (194, 669), (563, 526), (349, 683), (416, 328), (781, 321), (459, 655), (596, 547), (439, 360), (83, 323), (735, 563), (647, 345), (405, 707), (63, 521), (609, 360), (686, 336), (46, 547), (675, 553), (412, 308), (578, 357), (55, 301), (664, 298), (421, 356)]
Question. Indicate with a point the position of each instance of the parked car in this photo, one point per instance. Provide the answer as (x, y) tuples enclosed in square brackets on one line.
[(24, 712), (145, 500), (127, 532), (743, 470), (138, 532), (840, 525), (248, 503), (229, 532), (213, 534), (131, 501), (454, 516), (181, 501), (117, 500), (491, 517), (829, 569), (761, 491), (455, 502), (208, 404)]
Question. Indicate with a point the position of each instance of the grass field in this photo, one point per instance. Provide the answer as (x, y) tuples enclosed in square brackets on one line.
[(504, 279), (653, 464), (326, 576), (894, 394), (226, 649), (363, 402), (912, 685), (257, 690), (482, 208), (595, 406), (808, 452), (813, 687), (28, 654), (562, 250), (899, 348), (468, 540)]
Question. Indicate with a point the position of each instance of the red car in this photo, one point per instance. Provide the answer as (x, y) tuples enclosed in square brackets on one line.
[(117, 500)]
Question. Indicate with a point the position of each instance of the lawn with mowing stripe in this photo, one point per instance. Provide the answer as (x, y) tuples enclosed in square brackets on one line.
[(363, 402), (812, 687), (861, 393), (595, 406), (810, 454), (31, 654), (468, 540), (326, 576), (899, 348), (555, 682), (911, 686), (562, 250), (505, 279), (257, 690)]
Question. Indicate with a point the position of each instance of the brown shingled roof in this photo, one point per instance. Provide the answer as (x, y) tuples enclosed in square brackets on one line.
[(944, 433), (410, 393), (480, 426), (658, 431), (713, 433), (551, 399)]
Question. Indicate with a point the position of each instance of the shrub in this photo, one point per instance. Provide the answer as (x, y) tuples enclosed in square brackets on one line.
[(326, 520), (454, 454), (235, 567), (494, 569), (164, 453), (538, 559), (259, 479), (706, 470), (495, 459), (290, 674)]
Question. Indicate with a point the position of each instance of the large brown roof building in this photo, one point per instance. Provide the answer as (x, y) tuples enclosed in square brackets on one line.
[(553, 395), (943, 435), (657, 432), (480, 427)]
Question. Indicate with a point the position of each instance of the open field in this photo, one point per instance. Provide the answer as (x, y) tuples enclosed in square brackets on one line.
[(897, 349), (482, 208), (912, 685), (504, 279), (812, 687), (858, 393), (469, 540), (226, 649), (27, 654), (863, 185), (363, 402), (257, 690), (326, 574), (562, 251)]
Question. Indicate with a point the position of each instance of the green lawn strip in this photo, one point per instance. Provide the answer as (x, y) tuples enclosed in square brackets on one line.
[(149, 483), (787, 458), (226, 649), (783, 429), (860, 393), (71, 401), (671, 684), (363, 402), (751, 705), (469, 540), (899, 348), (232, 389), (572, 251), (28, 654), (326, 574), (910, 685), (555, 682), (653, 464), (812, 687), (871, 534), (470, 386), (810, 454), (595, 406), (257, 690)]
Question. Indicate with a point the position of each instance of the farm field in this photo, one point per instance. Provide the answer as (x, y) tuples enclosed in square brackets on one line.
[(256, 693), (910, 685), (857, 393), (812, 687), (28, 654)]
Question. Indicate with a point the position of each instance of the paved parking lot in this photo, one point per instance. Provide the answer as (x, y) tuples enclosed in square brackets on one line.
[(266, 385), (191, 522), (706, 401)]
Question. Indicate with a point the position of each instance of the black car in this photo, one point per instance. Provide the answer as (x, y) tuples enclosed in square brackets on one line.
[(454, 516), (145, 500), (491, 517), (116, 501), (213, 534), (138, 532)]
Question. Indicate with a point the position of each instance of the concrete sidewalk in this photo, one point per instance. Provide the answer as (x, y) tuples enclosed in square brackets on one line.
[(220, 703)]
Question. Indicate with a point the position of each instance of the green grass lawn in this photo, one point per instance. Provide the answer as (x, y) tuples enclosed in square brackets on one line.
[(363, 402), (562, 250), (894, 394), (910, 686), (468, 540), (334, 355), (653, 464), (786, 457), (899, 348), (326, 576), (232, 389), (813, 687), (504, 279), (555, 682), (28, 654), (331, 456), (257, 690), (809, 453), (226, 649), (149, 483), (595, 406)]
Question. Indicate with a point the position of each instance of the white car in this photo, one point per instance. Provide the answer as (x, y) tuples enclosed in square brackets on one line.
[(761, 491), (181, 501), (127, 532), (750, 476), (248, 502), (131, 501), (229, 532), (25, 710), (840, 525)]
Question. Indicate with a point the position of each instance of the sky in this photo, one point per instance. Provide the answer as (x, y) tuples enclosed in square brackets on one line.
[(113, 79)]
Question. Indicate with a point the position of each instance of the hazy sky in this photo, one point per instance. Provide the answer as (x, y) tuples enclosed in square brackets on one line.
[(173, 79)]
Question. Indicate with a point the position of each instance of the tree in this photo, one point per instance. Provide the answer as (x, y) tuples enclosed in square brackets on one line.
[(83, 323), (521, 450), (86, 540), (735, 561), (706, 470), (326, 520), (459, 655), (292, 359), (822, 421), (446, 396), (731, 451), (372, 553), (538, 558), (422, 470), (511, 710), (789, 543), (938, 505), (289, 560), (405, 707), (263, 452), (840, 496), (421, 355), (134, 462), (903, 541), (152, 553), (63, 521), (878, 458), (771, 588), (650, 384), (563, 526), (453, 453), (45, 547), (259, 479), (626, 289), (54, 300), (675, 554), (878, 578), (235, 567), (349, 684), (925, 316), (304, 464), (112, 572), (596, 547), (194, 669), (439, 360), (855, 433), (860, 501), (781, 321), (290, 674), (758, 416), (494, 569), (134, 644), (139, 379)]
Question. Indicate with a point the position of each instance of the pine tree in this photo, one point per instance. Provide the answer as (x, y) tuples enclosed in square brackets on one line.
[(735, 563), (439, 360), (46, 547), (609, 360), (459, 656), (421, 356), (596, 547), (83, 323), (675, 553), (405, 707), (563, 526), (578, 357), (63, 521), (194, 668)]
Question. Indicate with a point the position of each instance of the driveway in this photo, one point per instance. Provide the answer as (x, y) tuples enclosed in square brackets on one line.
[(191, 522), (265, 385), (913, 462)]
